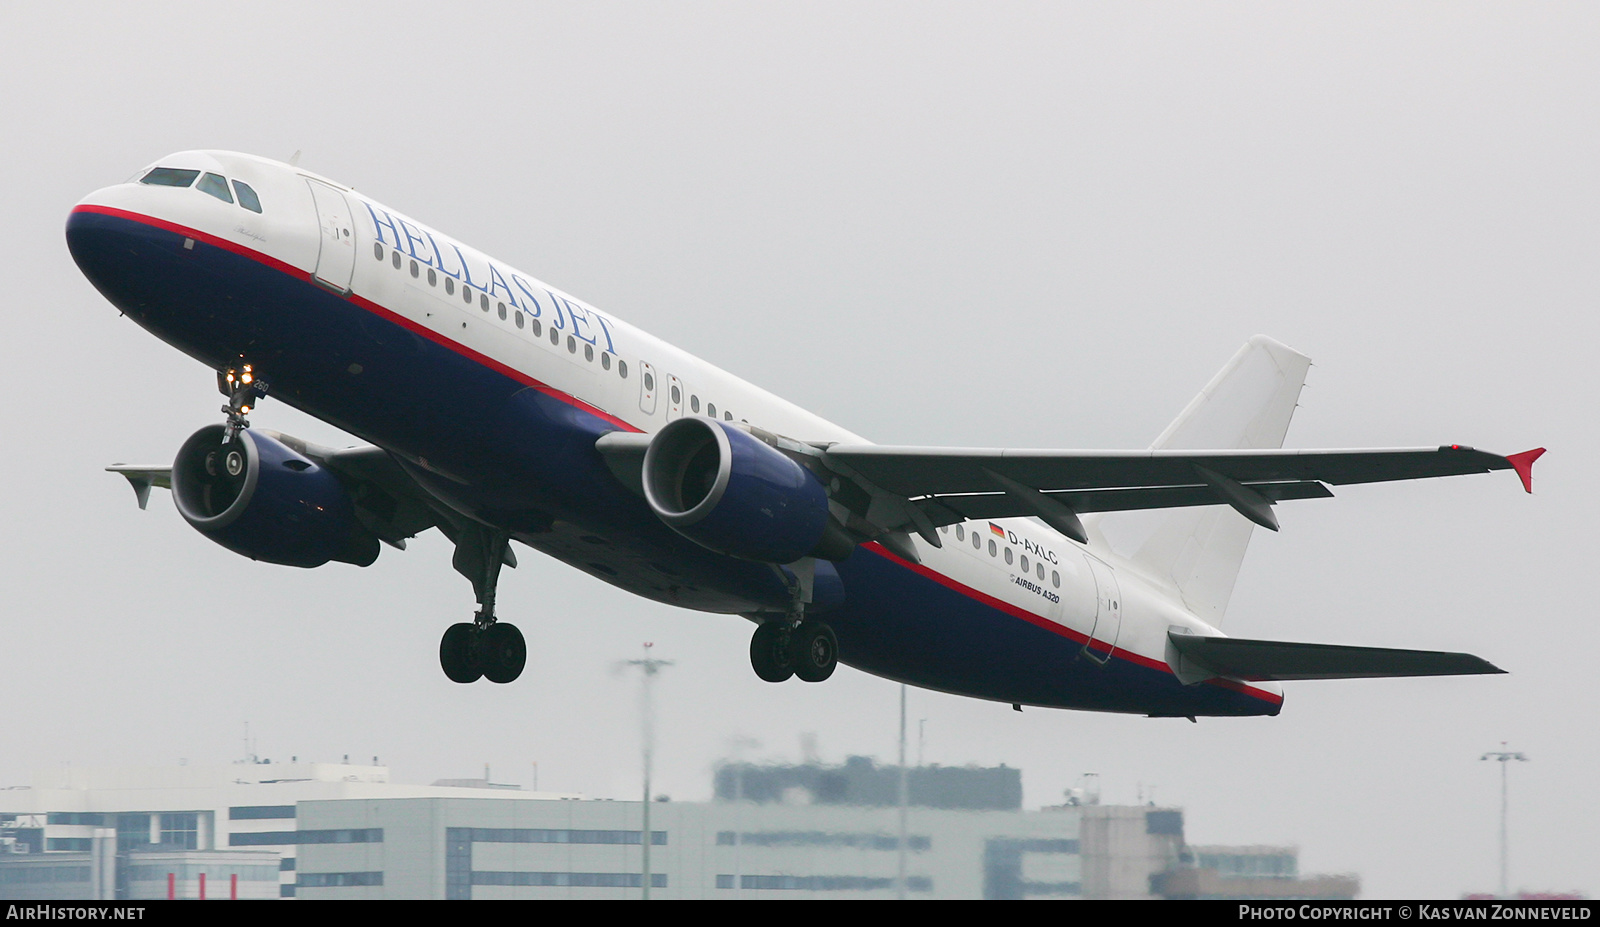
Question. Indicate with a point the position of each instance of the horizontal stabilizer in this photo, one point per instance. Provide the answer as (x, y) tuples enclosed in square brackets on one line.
[(1202, 657)]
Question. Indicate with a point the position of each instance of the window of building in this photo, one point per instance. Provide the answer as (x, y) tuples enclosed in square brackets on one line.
[(181, 829), (260, 812)]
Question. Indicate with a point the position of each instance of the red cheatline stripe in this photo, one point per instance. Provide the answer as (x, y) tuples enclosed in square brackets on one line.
[(1039, 621), (366, 304)]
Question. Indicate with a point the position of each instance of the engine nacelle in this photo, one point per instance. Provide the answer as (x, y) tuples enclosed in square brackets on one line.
[(257, 497), (726, 490)]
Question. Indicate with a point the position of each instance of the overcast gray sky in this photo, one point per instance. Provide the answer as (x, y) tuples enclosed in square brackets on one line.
[(982, 224)]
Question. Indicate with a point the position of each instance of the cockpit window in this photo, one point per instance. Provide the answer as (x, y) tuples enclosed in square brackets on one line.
[(247, 196), (170, 177), (217, 186)]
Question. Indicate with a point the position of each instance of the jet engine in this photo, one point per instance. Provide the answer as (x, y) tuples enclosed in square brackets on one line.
[(728, 491), (257, 497)]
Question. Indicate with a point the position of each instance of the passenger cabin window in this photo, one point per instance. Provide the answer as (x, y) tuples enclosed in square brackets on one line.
[(247, 196), (217, 186), (536, 327), (170, 177)]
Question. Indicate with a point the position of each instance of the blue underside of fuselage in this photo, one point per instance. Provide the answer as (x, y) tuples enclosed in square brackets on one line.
[(523, 459)]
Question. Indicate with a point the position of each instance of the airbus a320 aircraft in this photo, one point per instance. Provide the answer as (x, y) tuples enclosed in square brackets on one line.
[(498, 408)]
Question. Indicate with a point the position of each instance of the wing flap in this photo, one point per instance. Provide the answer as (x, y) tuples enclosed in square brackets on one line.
[(1259, 661), (1003, 505)]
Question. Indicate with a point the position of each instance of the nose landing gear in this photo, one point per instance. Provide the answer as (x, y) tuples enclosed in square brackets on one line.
[(485, 647), (244, 390)]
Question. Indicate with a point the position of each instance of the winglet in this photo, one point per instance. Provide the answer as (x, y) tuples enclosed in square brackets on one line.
[(1523, 464)]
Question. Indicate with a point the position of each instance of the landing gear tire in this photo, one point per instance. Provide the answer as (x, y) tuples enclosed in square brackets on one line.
[(502, 652), (457, 654), (814, 651), (769, 652)]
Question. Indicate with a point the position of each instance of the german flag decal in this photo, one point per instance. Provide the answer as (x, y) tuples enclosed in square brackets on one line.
[(997, 531)]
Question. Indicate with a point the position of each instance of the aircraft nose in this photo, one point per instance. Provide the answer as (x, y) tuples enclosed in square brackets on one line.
[(113, 245)]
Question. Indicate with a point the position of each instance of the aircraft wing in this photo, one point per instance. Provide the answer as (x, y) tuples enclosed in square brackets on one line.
[(947, 485), (1202, 657)]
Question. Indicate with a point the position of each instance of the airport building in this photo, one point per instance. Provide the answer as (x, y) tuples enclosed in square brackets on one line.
[(318, 830)]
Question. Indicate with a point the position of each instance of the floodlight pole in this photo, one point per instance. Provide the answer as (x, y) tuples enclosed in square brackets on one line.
[(1503, 757), (650, 668), (905, 798)]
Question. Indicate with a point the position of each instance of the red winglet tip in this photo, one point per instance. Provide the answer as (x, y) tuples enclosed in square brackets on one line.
[(1523, 464)]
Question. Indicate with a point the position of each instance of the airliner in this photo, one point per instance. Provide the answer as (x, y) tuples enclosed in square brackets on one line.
[(497, 408)]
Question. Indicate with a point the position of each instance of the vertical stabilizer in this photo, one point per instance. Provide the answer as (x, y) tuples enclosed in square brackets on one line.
[(1248, 404)]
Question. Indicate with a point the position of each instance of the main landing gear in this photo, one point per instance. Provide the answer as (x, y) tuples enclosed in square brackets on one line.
[(780, 649), (795, 645), (485, 647)]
